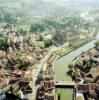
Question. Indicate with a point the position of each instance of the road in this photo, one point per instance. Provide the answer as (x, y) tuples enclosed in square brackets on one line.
[(38, 67)]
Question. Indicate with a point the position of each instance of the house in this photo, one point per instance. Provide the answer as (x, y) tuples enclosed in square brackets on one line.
[(95, 72), (17, 73), (49, 84), (79, 96)]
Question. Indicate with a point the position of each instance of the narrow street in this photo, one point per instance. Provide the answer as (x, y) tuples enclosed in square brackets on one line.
[(36, 71)]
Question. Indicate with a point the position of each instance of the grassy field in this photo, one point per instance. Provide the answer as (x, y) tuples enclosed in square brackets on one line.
[(64, 50), (74, 44), (78, 42)]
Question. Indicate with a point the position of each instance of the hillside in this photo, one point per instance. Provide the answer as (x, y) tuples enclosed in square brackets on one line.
[(38, 9), (69, 2)]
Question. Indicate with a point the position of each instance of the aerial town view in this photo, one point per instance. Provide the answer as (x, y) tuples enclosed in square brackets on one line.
[(49, 49)]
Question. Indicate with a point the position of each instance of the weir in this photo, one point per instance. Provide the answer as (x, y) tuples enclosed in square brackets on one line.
[(64, 84)]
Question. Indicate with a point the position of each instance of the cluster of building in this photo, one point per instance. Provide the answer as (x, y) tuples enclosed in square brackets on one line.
[(17, 63), (90, 90), (87, 75)]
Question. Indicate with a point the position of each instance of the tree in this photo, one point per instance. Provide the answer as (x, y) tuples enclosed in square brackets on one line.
[(22, 65), (21, 31), (47, 42), (38, 27), (97, 45), (3, 43), (71, 71), (41, 38), (70, 66), (59, 36), (50, 23), (10, 18)]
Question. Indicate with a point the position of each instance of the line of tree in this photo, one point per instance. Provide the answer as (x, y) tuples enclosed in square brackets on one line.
[(7, 17), (54, 23)]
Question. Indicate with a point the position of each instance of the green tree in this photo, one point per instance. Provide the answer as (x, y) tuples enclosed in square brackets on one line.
[(41, 38), (38, 27), (21, 31), (50, 23), (47, 42), (3, 42), (10, 18), (21, 64), (59, 36), (71, 66), (97, 45)]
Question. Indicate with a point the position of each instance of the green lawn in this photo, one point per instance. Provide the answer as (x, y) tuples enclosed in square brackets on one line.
[(25, 27), (78, 42), (74, 44), (65, 50)]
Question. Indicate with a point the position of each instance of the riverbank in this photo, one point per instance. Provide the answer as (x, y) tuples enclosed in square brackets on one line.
[(86, 71), (74, 48), (61, 63)]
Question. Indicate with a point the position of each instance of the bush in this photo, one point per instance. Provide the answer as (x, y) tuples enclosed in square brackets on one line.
[(97, 45), (22, 64), (41, 38), (47, 43), (3, 43), (70, 66), (38, 27)]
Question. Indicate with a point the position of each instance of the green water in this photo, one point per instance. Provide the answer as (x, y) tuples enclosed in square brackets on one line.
[(61, 69), (65, 94)]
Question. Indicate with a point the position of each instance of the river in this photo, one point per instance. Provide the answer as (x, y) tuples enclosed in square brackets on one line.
[(61, 64), (61, 67)]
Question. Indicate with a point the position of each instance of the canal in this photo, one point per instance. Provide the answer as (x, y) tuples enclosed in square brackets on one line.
[(61, 67)]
